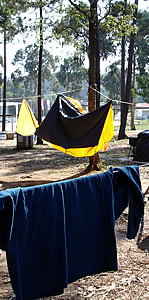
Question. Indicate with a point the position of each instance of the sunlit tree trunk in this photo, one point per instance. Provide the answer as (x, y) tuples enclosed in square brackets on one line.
[(92, 70)]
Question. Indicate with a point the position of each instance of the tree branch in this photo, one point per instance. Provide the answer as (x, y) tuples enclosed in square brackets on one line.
[(84, 12), (60, 30)]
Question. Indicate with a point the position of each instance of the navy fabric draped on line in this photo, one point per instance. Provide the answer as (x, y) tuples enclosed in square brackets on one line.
[(56, 233)]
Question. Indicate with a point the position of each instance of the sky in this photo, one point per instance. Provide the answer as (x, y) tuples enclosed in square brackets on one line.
[(54, 48)]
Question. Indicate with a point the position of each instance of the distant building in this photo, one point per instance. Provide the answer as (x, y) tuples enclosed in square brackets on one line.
[(142, 111), (12, 111)]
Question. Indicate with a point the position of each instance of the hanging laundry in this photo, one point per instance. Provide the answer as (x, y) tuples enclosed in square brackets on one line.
[(54, 234), (68, 128), (76, 133)]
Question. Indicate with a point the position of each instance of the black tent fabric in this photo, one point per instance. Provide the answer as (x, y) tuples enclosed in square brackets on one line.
[(76, 133)]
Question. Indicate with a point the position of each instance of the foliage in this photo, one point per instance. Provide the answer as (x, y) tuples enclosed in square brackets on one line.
[(10, 19), (142, 54), (107, 47), (119, 21), (143, 86), (72, 73), (73, 26), (142, 42), (49, 14), (15, 92), (111, 81), (27, 71)]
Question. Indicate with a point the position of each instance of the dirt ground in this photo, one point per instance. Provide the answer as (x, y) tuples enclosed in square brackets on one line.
[(43, 165)]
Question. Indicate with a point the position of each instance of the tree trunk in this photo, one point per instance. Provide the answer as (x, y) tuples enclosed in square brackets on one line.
[(122, 75), (93, 160), (97, 66), (125, 106), (92, 45), (4, 87), (122, 134), (132, 99), (36, 96), (132, 115), (68, 82), (122, 71), (92, 95), (92, 70), (39, 141)]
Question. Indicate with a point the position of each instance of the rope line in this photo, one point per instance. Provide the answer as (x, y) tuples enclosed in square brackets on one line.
[(26, 97), (143, 165), (118, 101), (68, 91)]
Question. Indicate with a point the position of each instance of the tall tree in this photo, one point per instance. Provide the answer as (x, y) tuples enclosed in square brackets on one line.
[(10, 25), (133, 96), (41, 4), (88, 17), (1, 78), (86, 22), (127, 98), (123, 44), (4, 85), (81, 26), (39, 141)]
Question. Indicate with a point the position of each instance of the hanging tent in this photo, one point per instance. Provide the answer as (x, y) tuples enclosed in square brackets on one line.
[(76, 133), (69, 129)]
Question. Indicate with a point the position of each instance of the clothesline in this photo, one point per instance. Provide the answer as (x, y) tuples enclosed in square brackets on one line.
[(143, 165), (118, 101), (26, 97), (66, 92), (51, 94)]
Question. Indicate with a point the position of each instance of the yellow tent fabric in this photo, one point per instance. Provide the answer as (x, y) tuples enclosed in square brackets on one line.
[(77, 104), (27, 122)]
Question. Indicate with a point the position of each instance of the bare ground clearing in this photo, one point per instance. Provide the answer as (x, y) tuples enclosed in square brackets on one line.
[(42, 165)]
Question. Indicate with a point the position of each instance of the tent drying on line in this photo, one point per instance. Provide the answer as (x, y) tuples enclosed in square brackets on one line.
[(68, 128), (27, 122), (74, 132)]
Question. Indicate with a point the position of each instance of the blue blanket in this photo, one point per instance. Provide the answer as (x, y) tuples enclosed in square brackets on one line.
[(57, 233)]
